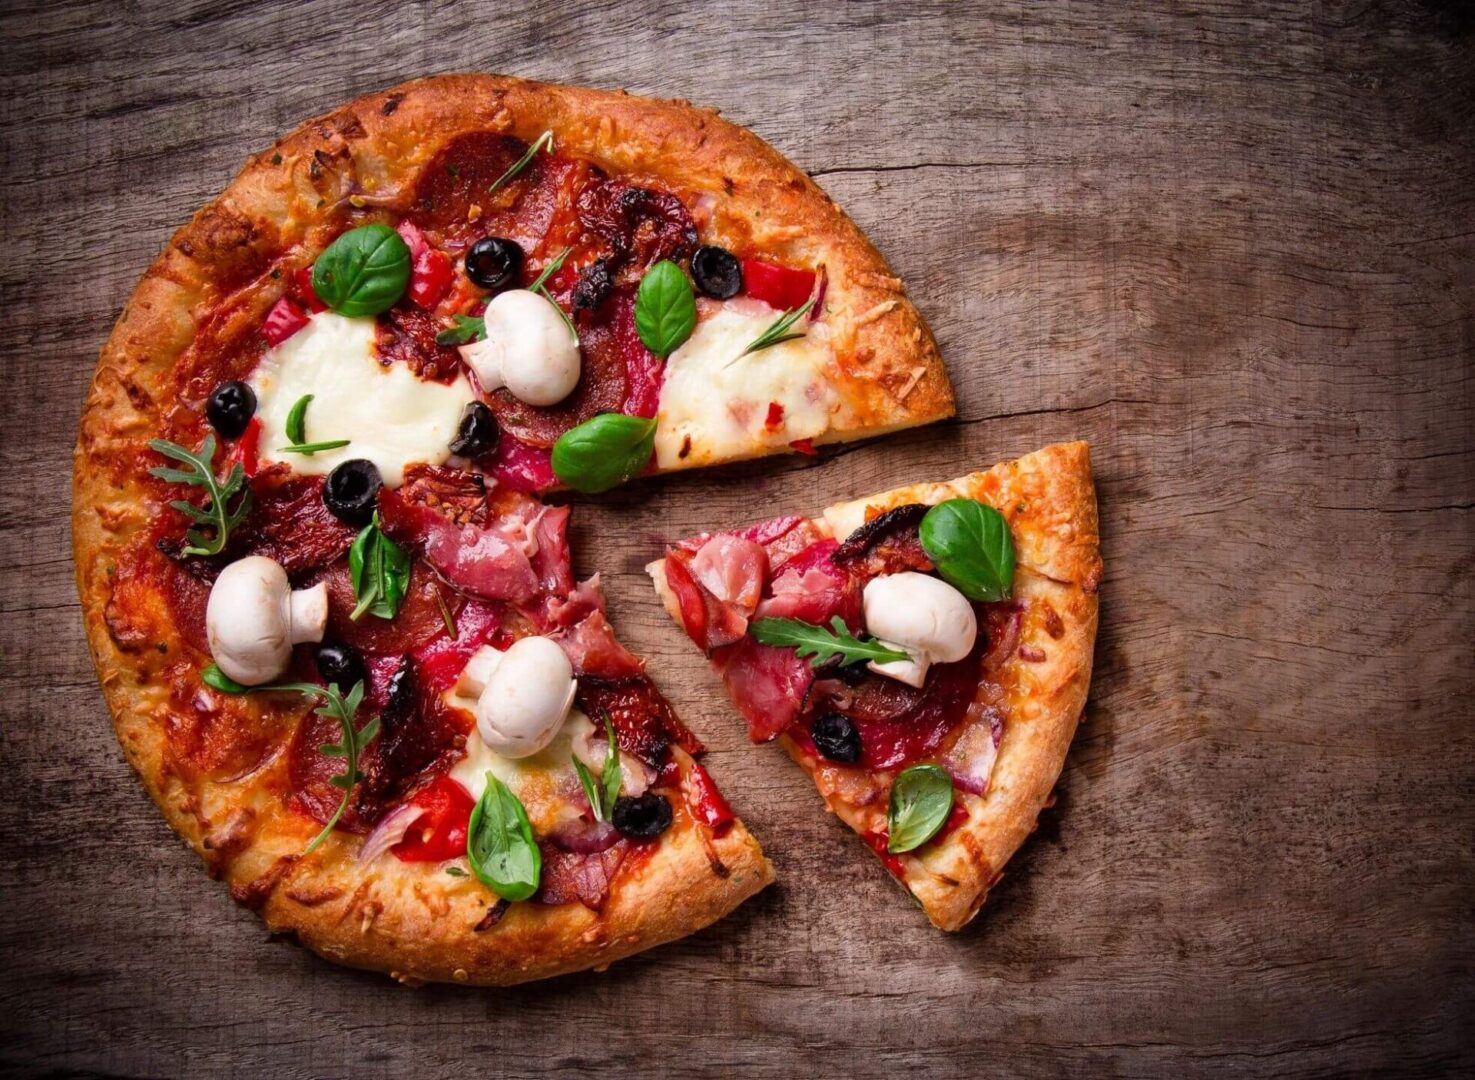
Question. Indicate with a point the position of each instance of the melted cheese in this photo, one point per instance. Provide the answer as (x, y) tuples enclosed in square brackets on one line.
[(715, 401), (390, 417), (535, 780)]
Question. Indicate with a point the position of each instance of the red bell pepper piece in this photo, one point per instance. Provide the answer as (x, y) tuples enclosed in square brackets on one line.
[(706, 802), (282, 321), (805, 447), (775, 415), (247, 451), (302, 290), (777, 286), (430, 270), (439, 833)]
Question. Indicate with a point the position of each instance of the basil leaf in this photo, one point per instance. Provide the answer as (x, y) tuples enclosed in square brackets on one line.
[(363, 272), (380, 571), (603, 452), (500, 845), (468, 328), (819, 644), (665, 308), (921, 800), (972, 548), (296, 427), (216, 679)]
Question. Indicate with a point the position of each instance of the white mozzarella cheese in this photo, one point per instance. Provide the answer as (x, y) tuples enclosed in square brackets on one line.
[(390, 417), (715, 401), (527, 777)]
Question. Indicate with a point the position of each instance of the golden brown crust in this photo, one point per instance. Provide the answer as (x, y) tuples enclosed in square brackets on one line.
[(1050, 503), (279, 211)]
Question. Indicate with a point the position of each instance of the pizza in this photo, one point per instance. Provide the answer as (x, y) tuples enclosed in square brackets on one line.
[(923, 654), (335, 622)]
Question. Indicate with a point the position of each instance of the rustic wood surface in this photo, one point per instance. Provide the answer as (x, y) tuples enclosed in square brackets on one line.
[(1232, 247)]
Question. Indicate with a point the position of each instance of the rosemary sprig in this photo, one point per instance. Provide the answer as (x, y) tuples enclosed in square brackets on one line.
[(217, 512), (340, 707), (778, 330), (543, 141)]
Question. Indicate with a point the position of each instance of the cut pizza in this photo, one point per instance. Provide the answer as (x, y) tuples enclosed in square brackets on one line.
[(924, 654), (339, 635)]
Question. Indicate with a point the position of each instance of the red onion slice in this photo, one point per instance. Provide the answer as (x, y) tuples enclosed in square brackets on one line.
[(390, 831), (585, 838)]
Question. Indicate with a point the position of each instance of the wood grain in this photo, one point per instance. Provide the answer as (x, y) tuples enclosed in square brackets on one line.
[(1230, 245)]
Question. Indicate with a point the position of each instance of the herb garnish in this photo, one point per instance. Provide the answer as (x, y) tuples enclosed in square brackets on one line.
[(468, 328), (778, 330), (363, 272), (603, 451), (500, 845), (380, 570), (921, 800), (543, 141), (665, 308), (970, 544), (296, 428), (341, 707), (821, 645), (217, 512), (602, 794)]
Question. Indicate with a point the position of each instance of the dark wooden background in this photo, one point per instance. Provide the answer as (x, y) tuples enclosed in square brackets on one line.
[(1233, 247)]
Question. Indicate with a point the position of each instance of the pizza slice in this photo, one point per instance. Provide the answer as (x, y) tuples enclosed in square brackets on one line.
[(924, 654)]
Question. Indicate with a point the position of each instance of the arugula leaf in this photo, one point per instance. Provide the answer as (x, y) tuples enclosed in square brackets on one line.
[(217, 513), (665, 308), (603, 451), (543, 141), (821, 645), (468, 328), (500, 845), (341, 707), (380, 570), (364, 272), (970, 544), (921, 800), (778, 331)]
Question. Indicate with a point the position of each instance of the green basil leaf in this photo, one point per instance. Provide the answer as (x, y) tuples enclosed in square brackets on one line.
[(819, 644), (665, 308), (603, 452), (380, 571), (216, 679), (297, 420), (921, 800), (363, 272), (467, 328), (971, 546), (500, 845)]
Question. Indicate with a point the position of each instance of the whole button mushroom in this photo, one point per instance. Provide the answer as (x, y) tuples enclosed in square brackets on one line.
[(523, 695), (254, 618), (528, 349), (921, 615)]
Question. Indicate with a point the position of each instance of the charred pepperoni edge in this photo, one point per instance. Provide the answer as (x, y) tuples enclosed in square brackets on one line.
[(888, 543)]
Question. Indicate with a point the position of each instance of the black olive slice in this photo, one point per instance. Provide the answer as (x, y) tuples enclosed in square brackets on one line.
[(836, 737), (717, 272), (352, 490), (230, 408), (642, 817)]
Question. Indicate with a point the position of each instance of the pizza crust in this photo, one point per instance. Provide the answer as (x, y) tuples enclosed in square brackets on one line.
[(288, 202), (1050, 503)]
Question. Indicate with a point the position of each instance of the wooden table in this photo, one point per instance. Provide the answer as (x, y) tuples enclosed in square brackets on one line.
[(1231, 248)]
